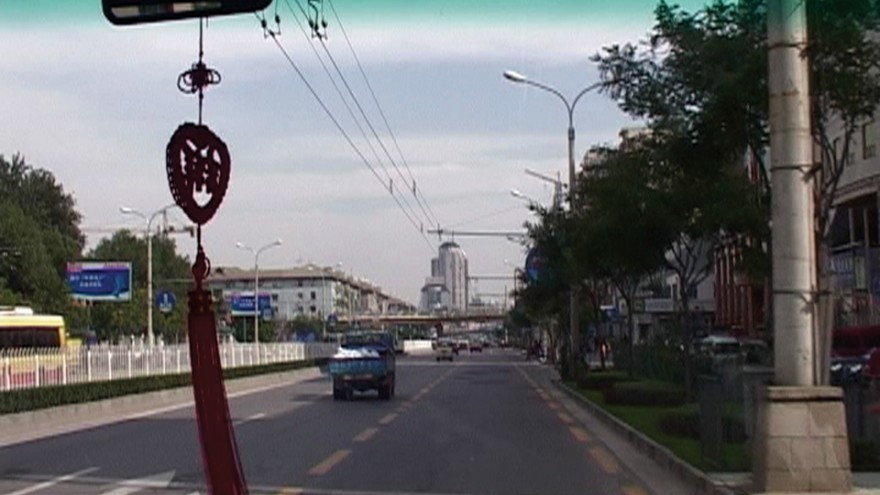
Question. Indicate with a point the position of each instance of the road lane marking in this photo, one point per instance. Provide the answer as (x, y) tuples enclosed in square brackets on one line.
[(579, 434), (252, 417), (566, 418), (633, 490), (53, 482), (604, 460), (365, 435), (127, 487), (553, 405), (388, 419), (290, 490), (329, 463)]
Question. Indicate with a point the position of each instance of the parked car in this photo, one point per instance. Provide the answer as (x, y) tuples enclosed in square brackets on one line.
[(475, 346)]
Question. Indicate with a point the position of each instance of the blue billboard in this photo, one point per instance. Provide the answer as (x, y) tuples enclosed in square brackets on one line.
[(100, 281), (242, 304)]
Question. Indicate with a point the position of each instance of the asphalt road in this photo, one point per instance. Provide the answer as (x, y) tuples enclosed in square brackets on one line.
[(484, 424)]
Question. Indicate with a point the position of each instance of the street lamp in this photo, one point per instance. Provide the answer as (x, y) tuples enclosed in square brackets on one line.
[(516, 193), (256, 253), (518, 78), (148, 221)]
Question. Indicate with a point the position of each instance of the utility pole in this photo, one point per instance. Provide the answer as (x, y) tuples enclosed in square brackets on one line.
[(786, 410)]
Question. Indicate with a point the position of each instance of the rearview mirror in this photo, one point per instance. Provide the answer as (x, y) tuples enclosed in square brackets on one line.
[(125, 12)]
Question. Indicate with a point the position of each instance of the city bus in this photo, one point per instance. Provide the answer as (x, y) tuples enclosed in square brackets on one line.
[(30, 347)]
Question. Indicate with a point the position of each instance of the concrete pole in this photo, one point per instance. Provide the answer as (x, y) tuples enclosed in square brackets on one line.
[(791, 156), (150, 283), (572, 293), (256, 298)]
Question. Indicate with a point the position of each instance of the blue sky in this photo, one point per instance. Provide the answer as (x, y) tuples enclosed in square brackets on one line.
[(95, 104)]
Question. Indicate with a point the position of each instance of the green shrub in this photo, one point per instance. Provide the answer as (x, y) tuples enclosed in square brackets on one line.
[(646, 393), (600, 380), (684, 422), (57, 395)]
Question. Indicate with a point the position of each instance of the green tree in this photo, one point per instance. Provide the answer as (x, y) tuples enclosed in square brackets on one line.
[(39, 234), (171, 272), (622, 226), (704, 75)]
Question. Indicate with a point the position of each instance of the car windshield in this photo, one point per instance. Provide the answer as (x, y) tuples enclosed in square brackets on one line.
[(439, 247)]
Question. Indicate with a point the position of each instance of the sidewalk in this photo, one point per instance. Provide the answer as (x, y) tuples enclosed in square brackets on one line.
[(640, 449)]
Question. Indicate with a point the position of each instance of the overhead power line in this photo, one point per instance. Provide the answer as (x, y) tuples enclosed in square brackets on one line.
[(342, 131), (423, 202), (390, 184)]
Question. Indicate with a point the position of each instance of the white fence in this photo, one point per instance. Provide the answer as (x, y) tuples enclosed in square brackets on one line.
[(29, 368)]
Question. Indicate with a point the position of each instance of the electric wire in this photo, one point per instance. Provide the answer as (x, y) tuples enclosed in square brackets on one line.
[(342, 131), (423, 202)]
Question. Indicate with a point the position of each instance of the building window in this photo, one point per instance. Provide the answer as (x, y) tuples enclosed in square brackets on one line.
[(275, 297), (313, 296), (869, 140), (299, 295), (313, 309)]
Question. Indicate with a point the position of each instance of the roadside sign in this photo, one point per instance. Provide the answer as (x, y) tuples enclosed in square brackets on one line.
[(332, 319), (100, 281), (166, 301), (535, 265), (242, 304), (266, 313)]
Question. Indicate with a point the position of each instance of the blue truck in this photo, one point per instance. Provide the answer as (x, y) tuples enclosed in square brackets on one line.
[(365, 361)]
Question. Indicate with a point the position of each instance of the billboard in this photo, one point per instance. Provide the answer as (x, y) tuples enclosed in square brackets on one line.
[(100, 280), (242, 303)]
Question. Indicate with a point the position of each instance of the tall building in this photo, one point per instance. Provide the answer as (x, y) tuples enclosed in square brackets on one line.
[(447, 287)]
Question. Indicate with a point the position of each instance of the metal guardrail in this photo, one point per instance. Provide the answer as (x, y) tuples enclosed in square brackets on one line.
[(30, 368)]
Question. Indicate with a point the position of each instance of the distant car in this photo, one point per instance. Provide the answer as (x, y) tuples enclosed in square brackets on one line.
[(461, 345), (476, 347), (445, 351)]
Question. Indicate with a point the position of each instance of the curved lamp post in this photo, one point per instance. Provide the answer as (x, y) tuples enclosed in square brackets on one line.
[(518, 78), (148, 223), (256, 253)]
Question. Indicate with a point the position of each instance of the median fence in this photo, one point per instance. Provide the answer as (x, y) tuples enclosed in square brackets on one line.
[(29, 368)]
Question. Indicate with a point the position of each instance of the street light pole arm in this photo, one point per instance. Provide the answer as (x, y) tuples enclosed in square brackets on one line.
[(585, 91), (553, 90)]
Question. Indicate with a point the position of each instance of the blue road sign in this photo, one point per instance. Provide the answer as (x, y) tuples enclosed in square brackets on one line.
[(535, 265), (332, 319), (100, 281), (242, 304), (165, 301)]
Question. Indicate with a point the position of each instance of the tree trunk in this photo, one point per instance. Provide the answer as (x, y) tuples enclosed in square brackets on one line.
[(688, 339), (824, 312)]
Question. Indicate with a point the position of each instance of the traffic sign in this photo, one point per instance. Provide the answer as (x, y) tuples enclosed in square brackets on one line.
[(332, 319), (165, 301), (535, 265)]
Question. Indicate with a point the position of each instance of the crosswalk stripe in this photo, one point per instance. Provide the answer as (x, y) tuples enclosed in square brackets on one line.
[(53, 482), (127, 487)]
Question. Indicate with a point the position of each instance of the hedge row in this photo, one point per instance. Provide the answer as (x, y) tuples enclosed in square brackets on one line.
[(685, 422), (43, 397), (644, 393), (601, 380)]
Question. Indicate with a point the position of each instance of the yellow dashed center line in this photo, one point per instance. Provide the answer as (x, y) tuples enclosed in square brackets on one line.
[(566, 418), (388, 418), (633, 490), (290, 490), (329, 463), (365, 435), (605, 460), (579, 434)]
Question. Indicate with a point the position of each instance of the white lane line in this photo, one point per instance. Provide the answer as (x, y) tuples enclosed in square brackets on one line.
[(127, 487), (53, 482), (252, 417), (190, 403)]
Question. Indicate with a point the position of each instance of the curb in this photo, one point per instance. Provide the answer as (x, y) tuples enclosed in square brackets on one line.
[(659, 454), (120, 408)]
